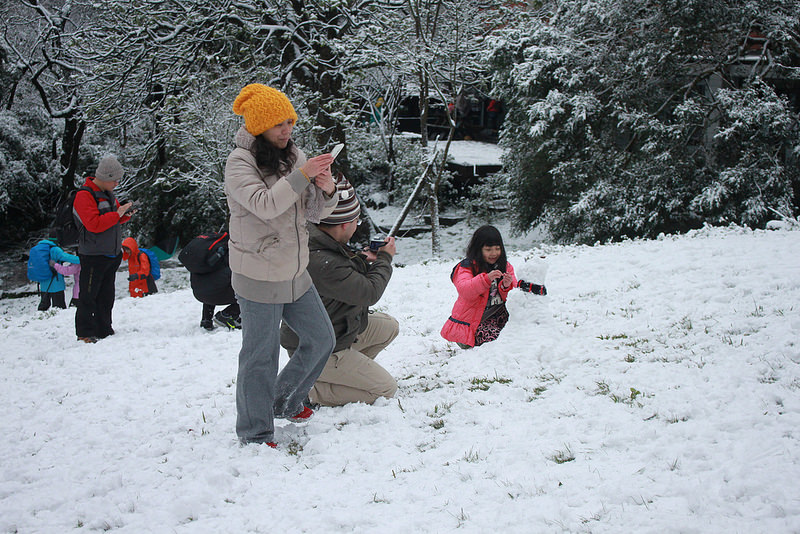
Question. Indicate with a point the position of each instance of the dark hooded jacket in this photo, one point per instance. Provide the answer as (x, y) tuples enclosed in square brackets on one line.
[(347, 283)]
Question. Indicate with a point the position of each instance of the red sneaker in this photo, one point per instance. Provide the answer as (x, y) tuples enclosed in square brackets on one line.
[(303, 416), (271, 444)]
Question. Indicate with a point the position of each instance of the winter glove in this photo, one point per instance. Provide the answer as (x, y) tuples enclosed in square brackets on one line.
[(532, 288), (133, 277)]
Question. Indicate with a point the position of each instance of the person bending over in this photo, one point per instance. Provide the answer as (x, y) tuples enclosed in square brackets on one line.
[(349, 282)]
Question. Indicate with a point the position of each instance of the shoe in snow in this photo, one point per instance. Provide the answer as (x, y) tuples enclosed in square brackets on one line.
[(303, 416), (227, 321)]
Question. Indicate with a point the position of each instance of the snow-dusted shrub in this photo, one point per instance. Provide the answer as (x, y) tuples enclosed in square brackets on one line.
[(633, 119), (488, 199), (755, 132), (383, 167), (29, 173)]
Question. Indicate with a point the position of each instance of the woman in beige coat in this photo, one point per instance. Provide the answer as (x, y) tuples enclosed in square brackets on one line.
[(272, 190)]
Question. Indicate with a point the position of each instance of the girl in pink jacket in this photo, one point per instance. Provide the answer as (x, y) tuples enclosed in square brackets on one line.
[(483, 281)]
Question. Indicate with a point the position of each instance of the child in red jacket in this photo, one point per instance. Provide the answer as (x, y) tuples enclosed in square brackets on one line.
[(483, 280), (141, 281)]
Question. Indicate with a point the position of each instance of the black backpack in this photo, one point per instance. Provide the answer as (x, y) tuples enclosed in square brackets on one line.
[(66, 229), (205, 253)]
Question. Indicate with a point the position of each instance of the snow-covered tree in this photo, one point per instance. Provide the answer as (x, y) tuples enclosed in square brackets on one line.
[(163, 77), (29, 174), (635, 117), (193, 57), (153, 81), (436, 48), (38, 39)]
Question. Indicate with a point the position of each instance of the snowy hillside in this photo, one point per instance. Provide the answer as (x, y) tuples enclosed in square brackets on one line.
[(655, 389)]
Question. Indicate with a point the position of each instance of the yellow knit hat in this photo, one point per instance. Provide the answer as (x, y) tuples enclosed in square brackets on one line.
[(262, 107)]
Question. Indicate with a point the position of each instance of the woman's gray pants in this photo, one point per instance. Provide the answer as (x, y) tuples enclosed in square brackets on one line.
[(262, 393)]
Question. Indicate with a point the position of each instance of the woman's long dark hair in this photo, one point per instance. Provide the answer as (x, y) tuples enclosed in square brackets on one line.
[(274, 160), (486, 236)]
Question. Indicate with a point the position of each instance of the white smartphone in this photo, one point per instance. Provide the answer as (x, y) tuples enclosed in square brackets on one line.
[(336, 149)]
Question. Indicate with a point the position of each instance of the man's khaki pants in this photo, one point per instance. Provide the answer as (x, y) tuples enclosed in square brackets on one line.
[(352, 375)]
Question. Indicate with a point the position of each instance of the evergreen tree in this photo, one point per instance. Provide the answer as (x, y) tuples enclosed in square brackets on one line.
[(631, 118)]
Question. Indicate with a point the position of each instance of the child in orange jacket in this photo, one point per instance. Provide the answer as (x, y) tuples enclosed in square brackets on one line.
[(141, 281)]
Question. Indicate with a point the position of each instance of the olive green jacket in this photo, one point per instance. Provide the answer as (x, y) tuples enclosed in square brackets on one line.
[(347, 283)]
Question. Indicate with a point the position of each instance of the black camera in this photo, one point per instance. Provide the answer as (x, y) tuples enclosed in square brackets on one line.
[(376, 242)]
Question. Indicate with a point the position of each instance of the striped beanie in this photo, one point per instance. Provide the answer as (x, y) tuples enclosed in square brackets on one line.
[(262, 108), (348, 209)]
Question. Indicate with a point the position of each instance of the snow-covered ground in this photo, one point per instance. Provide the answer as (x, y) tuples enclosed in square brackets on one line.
[(655, 389), (475, 153), (467, 153)]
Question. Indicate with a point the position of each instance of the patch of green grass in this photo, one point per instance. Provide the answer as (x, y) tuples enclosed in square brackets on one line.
[(638, 343), (425, 383), (483, 383), (438, 424), (675, 419), (564, 456), (630, 310), (545, 378), (437, 414), (441, 408), (685, 323), (728, 339), (537, 391), (294, 448), (631, 398), (594, 517), (461, 518), (612, 337), (758, 311), (472, 456), (627, 399), (549, 377)]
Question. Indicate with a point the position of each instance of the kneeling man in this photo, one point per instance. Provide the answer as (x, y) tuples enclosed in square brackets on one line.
[(349, 282)]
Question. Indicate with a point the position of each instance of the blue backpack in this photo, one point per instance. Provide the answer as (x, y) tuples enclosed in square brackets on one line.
[(39, 269), (155, 267)]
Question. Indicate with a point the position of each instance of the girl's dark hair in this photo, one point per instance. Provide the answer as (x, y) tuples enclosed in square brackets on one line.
[(272, 159), (486, 236)]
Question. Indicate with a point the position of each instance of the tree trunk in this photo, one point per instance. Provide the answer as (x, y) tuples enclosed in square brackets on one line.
[(407, 208), (424, 107), (433, 192), (71, 143), (433, 204)]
